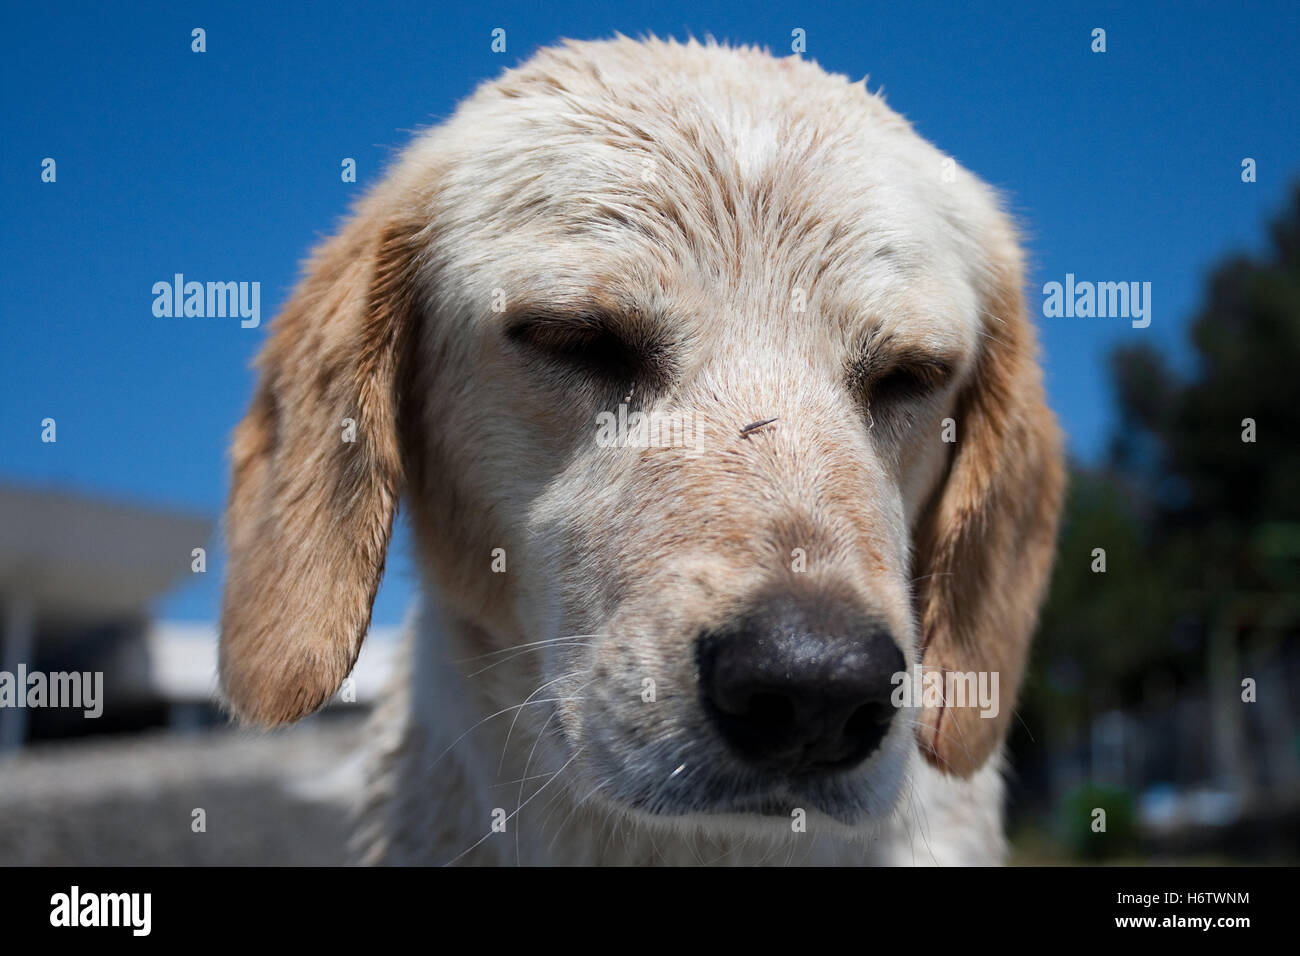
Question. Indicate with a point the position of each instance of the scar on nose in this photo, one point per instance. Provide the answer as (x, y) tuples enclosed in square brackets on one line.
[(754, 426)]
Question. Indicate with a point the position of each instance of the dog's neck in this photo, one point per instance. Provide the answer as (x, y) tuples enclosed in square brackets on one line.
[(445, 786)]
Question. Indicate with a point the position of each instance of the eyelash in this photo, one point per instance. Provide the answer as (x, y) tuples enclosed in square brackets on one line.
[(905, 382), (588, 346)]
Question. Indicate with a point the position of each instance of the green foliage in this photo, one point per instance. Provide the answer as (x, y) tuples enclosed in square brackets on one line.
[(1200, 528), (1246, 339), (1098, 629), (1078, 816)]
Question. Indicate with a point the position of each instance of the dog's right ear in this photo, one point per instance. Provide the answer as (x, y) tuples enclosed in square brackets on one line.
[(317, 474), (984, 553)]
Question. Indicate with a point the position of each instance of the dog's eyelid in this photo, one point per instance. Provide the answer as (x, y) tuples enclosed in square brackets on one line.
[(611, 347), (903, 372), (929, 372), (561, 325), (575, 326)]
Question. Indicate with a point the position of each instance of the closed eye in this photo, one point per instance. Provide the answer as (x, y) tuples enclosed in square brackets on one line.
[(907, 382), (891, 385), (598, 346)]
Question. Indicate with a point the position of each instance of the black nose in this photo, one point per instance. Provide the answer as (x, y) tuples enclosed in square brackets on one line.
[(800, 686)]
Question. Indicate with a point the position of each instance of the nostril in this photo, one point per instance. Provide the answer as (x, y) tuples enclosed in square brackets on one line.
[(769, 713), (868, 722), (756, 721)]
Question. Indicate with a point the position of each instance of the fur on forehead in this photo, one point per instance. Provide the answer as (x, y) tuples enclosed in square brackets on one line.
[(711, 162)]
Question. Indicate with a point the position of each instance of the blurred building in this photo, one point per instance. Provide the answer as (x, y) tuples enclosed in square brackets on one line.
[(78, 580), (182, 671)]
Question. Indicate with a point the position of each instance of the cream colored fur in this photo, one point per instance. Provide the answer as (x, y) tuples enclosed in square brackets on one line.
[(769, 241)]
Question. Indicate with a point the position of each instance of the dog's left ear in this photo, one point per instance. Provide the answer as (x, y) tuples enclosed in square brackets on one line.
[(985, 548), (317, 472)]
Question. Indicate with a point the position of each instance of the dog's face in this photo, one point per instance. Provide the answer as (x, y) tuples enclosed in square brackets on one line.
[(550, 327)]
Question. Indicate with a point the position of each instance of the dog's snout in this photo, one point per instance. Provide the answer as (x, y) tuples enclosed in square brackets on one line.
[(800, 686)]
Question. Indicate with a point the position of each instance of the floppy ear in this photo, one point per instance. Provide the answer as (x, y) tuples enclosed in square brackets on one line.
[(985, 551), (311, 506)]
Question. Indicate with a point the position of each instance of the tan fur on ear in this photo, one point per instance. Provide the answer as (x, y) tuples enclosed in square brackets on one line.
[(310, 514), (985, 553)]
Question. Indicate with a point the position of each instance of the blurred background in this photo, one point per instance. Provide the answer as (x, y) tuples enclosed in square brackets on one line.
[(129, 156)]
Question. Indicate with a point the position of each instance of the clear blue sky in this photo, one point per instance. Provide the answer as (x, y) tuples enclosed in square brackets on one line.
[(225, 165)]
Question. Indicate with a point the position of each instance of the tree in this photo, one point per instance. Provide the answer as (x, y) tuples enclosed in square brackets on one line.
[(1201, 528)]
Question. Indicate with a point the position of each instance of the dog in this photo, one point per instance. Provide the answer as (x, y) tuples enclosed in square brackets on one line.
[(632, 648)]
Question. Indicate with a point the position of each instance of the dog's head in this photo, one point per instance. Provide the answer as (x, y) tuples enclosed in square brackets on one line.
[(548, 329)]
